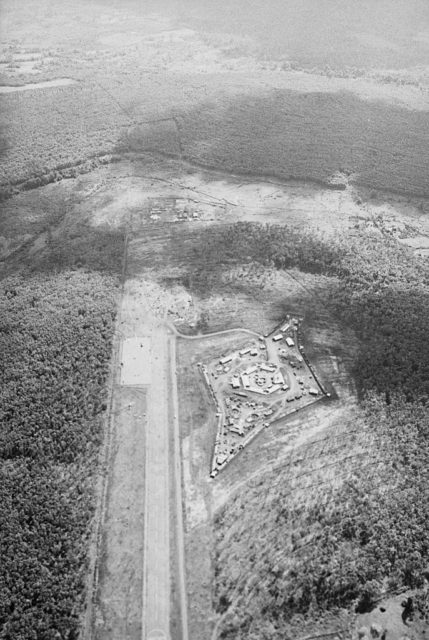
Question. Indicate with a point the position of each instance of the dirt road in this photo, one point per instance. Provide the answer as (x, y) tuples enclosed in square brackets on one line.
[(156, 565), (133, 600)]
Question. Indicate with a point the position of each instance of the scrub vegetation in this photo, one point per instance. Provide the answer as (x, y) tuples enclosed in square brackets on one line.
[(370, 536)]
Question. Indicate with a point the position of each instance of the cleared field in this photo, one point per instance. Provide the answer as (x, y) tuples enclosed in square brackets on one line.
[(136, 364), (118, 603)]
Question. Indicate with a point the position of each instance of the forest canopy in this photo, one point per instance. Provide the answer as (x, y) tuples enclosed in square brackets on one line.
[(55, 343)]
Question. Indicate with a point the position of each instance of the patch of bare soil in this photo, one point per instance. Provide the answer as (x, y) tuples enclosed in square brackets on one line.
[(387, 617)]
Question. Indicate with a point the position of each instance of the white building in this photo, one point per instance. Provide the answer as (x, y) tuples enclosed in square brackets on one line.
[(225, 359), (277, 337), (245, 380), (244, 351), (267, 367), (278, 378), (290, 342)]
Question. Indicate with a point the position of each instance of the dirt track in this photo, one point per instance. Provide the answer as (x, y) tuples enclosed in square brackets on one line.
[(156, 568), (134, 588)]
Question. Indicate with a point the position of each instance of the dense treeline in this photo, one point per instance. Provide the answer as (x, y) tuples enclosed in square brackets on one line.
[(372, 535), (55, 344), (309, 135), (383, 292), (224, 246)]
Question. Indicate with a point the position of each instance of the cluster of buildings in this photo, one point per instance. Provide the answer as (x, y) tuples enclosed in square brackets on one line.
[(176, 209), (252, 386)]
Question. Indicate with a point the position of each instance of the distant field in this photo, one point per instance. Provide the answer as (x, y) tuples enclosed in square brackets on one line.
[(191, 81), (389, 33)]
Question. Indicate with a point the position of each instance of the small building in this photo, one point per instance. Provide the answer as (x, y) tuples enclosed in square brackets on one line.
[(244, 351), (278, 378), (251, 369), (245, 380), (290, 342), (274, 387), (277, 337), (225, 359), (221, 459), (267, 367), (235, 382), (285, 327), (313, 391), (254, 352), (235, 428)]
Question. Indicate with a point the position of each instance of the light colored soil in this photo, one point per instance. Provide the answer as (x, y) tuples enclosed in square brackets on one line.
[(59, 82), (136, 361), (387, 615), (156, 570), (118, 603)]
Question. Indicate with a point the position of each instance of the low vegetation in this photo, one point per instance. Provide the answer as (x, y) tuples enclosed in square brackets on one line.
[(371, 535)]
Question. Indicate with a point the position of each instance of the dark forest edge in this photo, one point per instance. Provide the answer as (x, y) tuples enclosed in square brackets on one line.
[(56, 331)]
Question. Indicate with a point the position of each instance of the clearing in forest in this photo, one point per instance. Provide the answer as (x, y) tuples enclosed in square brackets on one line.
[(256, 384)]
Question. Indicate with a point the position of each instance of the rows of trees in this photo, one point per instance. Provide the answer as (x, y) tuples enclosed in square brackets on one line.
[(55, 344), (372, 535)]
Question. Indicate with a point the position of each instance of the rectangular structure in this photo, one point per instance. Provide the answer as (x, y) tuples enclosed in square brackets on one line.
[(136, 362)]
